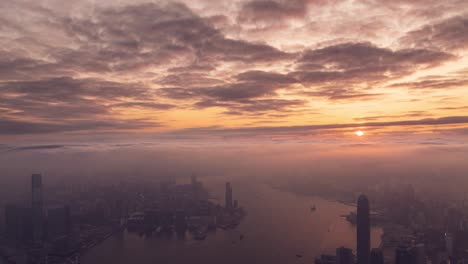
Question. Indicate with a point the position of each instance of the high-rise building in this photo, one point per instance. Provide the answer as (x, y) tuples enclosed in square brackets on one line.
[(325, 259), (363, 230), (37, 207), (193, 179), (58, 222), (403, 255), (344, 255), (418, 254), (376, 256), (18, 224), (448, 237), (228, 195)]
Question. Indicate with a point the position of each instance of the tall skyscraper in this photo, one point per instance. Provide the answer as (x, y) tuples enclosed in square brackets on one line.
[(344, 255), (58, 222), (37, 207), (363, 230), (228, 195), (376, 256), (418, 254), (403, 255)]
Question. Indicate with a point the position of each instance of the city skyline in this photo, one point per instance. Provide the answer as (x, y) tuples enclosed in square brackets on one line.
[(247, 68), (243, 131)]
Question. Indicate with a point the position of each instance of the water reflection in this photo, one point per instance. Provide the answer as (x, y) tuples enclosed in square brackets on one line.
[(278, 227)]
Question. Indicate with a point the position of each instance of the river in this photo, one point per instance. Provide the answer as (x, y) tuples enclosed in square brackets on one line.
[(278, 226)]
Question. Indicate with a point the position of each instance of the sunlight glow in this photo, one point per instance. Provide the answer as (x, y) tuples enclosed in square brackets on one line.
[(359, 133)]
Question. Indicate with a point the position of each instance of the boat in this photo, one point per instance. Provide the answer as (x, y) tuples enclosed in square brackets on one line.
[(313, 208), (200, 233)]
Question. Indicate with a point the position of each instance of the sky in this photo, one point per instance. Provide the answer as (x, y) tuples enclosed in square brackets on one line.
[(242, 68)]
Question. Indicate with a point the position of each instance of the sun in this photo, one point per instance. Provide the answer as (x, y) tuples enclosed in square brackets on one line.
[(359, 133)]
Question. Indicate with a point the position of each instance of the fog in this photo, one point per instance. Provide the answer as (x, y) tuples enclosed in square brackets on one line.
[(432, 168)]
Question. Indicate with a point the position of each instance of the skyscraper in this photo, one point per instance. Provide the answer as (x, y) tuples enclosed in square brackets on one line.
[(344, 255), (363, 230), (403, 255), (58, 222), (37, 210), (228, 195), (376, 256)]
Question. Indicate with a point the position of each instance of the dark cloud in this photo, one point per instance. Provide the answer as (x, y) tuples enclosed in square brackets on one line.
[(16, 127), (184, 79), (132, 37), (151, 105), (247, 85), (239, 91), (441, 83), (272, 11), (128, 39), (449, 34), (293, 130), (339, 72), (62, 98), (339, 93), (16, 67), (418, 114), (361, 62), (266, 77), (38, 147), (255, 107), (453, 108)]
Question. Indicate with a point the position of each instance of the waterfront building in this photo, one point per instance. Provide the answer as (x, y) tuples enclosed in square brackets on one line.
[(18, 224), (363, 230), (418, 254), (376, 256), (37, 207), (228, 196), (58, 222), (403, 255), (344, 256)]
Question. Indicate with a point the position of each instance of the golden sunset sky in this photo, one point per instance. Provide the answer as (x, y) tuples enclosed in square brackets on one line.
[(242, 68)]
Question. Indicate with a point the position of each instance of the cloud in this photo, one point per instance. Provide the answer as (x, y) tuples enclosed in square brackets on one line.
[(406, 115), (453, 108), (133, 37), (434, 83), (16, 127), (65, 97), (363, 62), (272, 11), (335, 93), (37, 147), (307, 129), (449, 34), (151, 105), (265, 107)]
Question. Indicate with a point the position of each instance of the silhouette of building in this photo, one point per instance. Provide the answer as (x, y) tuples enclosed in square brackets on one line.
[(418, 254), (344, 255), (403, 255), (58, 222), (18, 224), (37, 207), (180, 221), (376, 256), (193, 180), (228, 196), (363, 230), (325, 259)]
